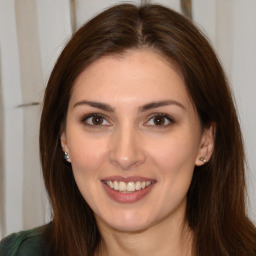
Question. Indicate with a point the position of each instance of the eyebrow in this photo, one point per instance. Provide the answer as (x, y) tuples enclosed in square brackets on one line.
[(95, 104), (158, 104), (143, 108)]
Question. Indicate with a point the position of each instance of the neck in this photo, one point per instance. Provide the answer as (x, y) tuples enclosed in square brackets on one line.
[(161, 239)]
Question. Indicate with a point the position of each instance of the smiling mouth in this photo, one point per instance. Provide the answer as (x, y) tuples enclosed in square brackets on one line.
[(128, 187)]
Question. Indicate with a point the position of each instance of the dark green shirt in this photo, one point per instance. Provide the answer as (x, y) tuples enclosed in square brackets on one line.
[(24, 243)]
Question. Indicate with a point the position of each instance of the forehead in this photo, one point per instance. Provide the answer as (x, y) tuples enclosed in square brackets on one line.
[(134, 75)]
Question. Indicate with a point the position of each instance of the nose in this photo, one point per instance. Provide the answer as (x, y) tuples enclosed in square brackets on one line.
[(126, 149)]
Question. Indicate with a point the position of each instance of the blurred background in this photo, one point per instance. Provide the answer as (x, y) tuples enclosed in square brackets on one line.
[(32, 35)]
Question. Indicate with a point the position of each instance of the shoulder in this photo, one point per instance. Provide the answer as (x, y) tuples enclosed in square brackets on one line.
[(24, 243)]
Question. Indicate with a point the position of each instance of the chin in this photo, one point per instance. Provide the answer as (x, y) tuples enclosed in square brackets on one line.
[(128, 222), (129, 227)]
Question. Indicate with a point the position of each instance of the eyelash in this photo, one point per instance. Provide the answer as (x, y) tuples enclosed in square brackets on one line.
[(87, 117), (167, 117), (98, 115)]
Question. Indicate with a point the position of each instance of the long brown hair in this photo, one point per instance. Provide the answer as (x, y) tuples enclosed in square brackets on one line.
[(216, 205)]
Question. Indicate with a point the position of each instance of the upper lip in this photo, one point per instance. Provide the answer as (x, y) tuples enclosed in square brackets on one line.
[(127, 179)]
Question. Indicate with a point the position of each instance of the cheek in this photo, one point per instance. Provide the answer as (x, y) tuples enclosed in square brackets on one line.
[(83, 165), (86, 160), (174, 152), (86, 153), (174, 159)]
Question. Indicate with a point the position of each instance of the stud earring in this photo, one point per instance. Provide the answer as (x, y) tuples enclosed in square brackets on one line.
[(66, 156), (202, 159)]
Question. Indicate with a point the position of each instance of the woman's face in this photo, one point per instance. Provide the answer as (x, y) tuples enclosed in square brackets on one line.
[(133, 137)]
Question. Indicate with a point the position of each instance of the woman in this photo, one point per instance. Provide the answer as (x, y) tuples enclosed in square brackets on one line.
[(139, 107)]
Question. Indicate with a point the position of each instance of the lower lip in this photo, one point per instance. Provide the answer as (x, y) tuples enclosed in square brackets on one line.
[(130, 197)]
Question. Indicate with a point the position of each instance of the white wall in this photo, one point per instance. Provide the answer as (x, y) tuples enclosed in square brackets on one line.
[(230, 25), (32, 34)]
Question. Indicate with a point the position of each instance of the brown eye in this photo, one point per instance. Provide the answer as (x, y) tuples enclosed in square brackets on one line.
[(160, 120), (95, 120)]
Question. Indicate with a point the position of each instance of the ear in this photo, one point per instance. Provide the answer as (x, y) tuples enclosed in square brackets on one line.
[(63, 141), (206, 145)]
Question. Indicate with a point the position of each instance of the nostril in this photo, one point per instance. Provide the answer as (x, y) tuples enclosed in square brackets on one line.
[(125, 151), (126, 163)]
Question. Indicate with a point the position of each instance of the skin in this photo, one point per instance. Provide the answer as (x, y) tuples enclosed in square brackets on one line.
[(127, 142)]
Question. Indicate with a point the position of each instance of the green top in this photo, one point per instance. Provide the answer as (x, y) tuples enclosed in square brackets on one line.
[(24, 243)]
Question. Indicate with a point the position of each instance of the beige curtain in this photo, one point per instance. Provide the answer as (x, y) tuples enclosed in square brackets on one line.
[(32, 34)]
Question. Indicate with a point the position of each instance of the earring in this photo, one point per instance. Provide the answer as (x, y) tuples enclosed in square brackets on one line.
[(202, 159), (66, 156)]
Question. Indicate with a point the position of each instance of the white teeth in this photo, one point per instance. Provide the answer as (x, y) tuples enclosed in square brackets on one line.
[(129, 186), (148, 183), (116, 187), (110, 184), (122, 186), (138, 185)]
